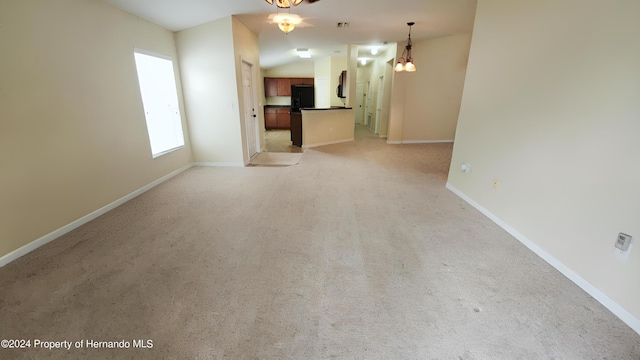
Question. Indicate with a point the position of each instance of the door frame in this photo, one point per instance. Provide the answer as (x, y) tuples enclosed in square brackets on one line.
[(256, 114)]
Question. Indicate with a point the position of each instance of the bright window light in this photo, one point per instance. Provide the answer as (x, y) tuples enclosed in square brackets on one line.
[(160, 102)]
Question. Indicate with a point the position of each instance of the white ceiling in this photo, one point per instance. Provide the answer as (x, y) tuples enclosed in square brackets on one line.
[(371, 22)]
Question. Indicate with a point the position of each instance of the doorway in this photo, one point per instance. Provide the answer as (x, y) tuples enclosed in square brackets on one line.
[(250, 117), (379, 102), (359, 103)]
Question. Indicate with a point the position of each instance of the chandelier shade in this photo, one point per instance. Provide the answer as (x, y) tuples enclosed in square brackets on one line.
[(406, 65), (284, 4)]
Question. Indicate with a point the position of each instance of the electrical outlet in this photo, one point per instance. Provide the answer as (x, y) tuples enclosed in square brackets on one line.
[(623, 241), (465, 168)]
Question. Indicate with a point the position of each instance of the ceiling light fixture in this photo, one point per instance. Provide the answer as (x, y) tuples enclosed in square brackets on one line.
[(363, 61), (304, 53), (407, 65), (374, 50), (284, 4), (286, 22)]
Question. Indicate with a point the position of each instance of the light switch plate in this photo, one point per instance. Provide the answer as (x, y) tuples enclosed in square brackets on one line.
[(623, 241)]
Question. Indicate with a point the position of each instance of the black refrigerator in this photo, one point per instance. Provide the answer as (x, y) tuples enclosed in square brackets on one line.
[(302, 96)]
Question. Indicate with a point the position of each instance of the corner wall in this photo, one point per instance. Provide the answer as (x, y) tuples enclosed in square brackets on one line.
[(425, 104), (73, 135), (246, 48), (550, 109), (207, 59)]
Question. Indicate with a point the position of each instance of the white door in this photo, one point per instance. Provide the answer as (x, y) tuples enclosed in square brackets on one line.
[(359, 103), (379, 102), (369, 106), (250, 118)]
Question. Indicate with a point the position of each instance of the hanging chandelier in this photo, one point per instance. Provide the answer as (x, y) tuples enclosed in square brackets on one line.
[(284, 4), (406, 65)]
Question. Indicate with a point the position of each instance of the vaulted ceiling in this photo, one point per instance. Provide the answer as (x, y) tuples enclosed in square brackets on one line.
[(371, 22)]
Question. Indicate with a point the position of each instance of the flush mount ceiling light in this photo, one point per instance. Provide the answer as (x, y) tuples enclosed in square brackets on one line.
[(304, 53), (286, 22), (284, 4), (406, 65)]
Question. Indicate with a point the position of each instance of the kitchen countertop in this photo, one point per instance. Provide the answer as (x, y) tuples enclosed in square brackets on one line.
[(277, 106), (331, 108)]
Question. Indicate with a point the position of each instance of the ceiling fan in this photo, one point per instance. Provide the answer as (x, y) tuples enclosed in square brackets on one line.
[(285, 4)]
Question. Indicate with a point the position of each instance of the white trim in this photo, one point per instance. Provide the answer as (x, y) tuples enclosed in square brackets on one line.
[(426, 141), (597, 294), (4, 260), (219, 164), (326, 143), (418, 142)]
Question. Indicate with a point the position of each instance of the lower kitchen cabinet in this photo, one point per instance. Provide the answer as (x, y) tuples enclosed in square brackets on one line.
[(284, 119), (270, 118), (277, 118)]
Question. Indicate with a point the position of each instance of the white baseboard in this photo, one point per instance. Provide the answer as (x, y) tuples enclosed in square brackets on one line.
[(601, 297), (219, 164), (418, 142), (326, 143), (4, 260)]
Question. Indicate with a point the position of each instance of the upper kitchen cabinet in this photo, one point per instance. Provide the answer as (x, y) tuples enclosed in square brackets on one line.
[(301, 81), (284, 86), (270, 87)]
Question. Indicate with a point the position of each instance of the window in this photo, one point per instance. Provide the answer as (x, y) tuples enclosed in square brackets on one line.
[(160, 102)]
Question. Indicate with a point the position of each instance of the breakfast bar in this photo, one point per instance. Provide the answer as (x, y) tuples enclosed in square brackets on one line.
[(322, 126)]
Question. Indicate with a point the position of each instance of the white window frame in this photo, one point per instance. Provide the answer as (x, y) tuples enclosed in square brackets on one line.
[(170, 118)]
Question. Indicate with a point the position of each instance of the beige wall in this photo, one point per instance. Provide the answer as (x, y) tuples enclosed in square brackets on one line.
[(551, 108), (430, 98), (246, 49), (207, 58), (322, 70), (338, 64), (323, 127), (73, 135), (298, 69), (352, 69)]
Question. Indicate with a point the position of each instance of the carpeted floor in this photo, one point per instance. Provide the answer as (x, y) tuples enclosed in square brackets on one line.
[(357, 252), (276, 159)]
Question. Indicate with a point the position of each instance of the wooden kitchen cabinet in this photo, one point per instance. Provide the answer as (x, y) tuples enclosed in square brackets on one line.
[(277, 118), (284, 86), (270, 87), (270, 118), (284, 119), (302, 81)]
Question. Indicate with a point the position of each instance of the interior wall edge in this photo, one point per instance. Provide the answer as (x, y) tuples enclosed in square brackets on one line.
[(602, 298), (27, 248)]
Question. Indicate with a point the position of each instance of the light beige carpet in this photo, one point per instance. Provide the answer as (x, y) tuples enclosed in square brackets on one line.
[(276, 159), (357, 252)]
